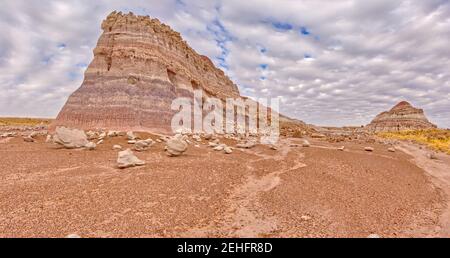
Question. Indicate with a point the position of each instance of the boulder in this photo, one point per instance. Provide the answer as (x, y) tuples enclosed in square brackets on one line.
[(127, 159), (70, 138), (176, 147)]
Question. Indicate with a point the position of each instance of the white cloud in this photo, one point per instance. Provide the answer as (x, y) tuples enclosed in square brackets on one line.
[(353, 59)]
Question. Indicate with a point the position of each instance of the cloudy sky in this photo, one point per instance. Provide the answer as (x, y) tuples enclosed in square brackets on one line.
[(331, 62)]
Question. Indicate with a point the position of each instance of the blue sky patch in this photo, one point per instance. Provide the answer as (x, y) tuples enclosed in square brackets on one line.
[(305, 31), (282, 26), (264, 66)]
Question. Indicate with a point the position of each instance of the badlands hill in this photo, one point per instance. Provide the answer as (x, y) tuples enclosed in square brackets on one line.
[(402, 116), (140, 65)]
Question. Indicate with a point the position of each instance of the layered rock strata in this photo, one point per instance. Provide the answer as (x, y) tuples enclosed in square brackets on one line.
[(140, 66), (401, 117)]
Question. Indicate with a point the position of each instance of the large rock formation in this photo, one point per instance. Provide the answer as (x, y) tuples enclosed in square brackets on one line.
[(401, 117), (140, 65)]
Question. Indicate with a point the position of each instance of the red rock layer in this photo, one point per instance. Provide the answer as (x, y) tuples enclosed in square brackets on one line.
[(140, 65)]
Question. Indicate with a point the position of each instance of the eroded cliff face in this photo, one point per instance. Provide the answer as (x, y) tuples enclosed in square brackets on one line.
[(140, 65), (401, 117)]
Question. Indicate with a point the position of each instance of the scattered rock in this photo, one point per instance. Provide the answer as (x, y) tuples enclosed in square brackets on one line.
[(131, 136), (432, 155), (246, 145), (91, 135), (391, 150), (208, 137), (28, 139), (228, 150), (374, 236), (305, 218), (127, 159), (100, 142), (369, 149), (132, 142), (221, 147), (176, 147), (117, 147), (341, 148), (73, 236), (273, 147), (318, 136), (102, 136), (70, 138), (306, 144), (113, 134), (142, 145), (90, 146)]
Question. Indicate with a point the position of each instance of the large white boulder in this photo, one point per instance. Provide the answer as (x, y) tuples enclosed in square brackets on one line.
[(70, 138), (176, 147)]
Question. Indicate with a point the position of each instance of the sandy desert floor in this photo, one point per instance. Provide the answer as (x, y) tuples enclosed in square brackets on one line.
[(292, 192)]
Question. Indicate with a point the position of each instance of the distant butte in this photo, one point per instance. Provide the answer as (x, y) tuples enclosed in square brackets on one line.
[(402, 116)]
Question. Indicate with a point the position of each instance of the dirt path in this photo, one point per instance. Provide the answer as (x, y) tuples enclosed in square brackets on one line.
[(439, 171), (244, 216)]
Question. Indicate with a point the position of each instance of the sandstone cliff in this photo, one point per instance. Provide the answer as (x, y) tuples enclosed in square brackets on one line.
[(140, 65), (401, 117)]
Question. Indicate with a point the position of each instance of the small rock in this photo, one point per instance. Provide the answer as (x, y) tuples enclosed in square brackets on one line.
[(220, 147), (369, 149), (374, 236), (73, 236), (318, 136), (132, 142), (100, 142), (112, 134), (213, 144), (127, 159), (341, 148), (391, 149), (49, 138), (432, 155), (306, 144), (142, 146), (117, 147), (228, 150), (131, 136), (246, 145), (28, 139), (90, 146), (305, 218), (273, 147), (102, 136)]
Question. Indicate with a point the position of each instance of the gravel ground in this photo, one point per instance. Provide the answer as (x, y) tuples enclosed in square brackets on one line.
[(292, 192)]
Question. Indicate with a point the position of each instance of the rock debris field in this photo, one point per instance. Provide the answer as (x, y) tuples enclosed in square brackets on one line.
[(111, 184)]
